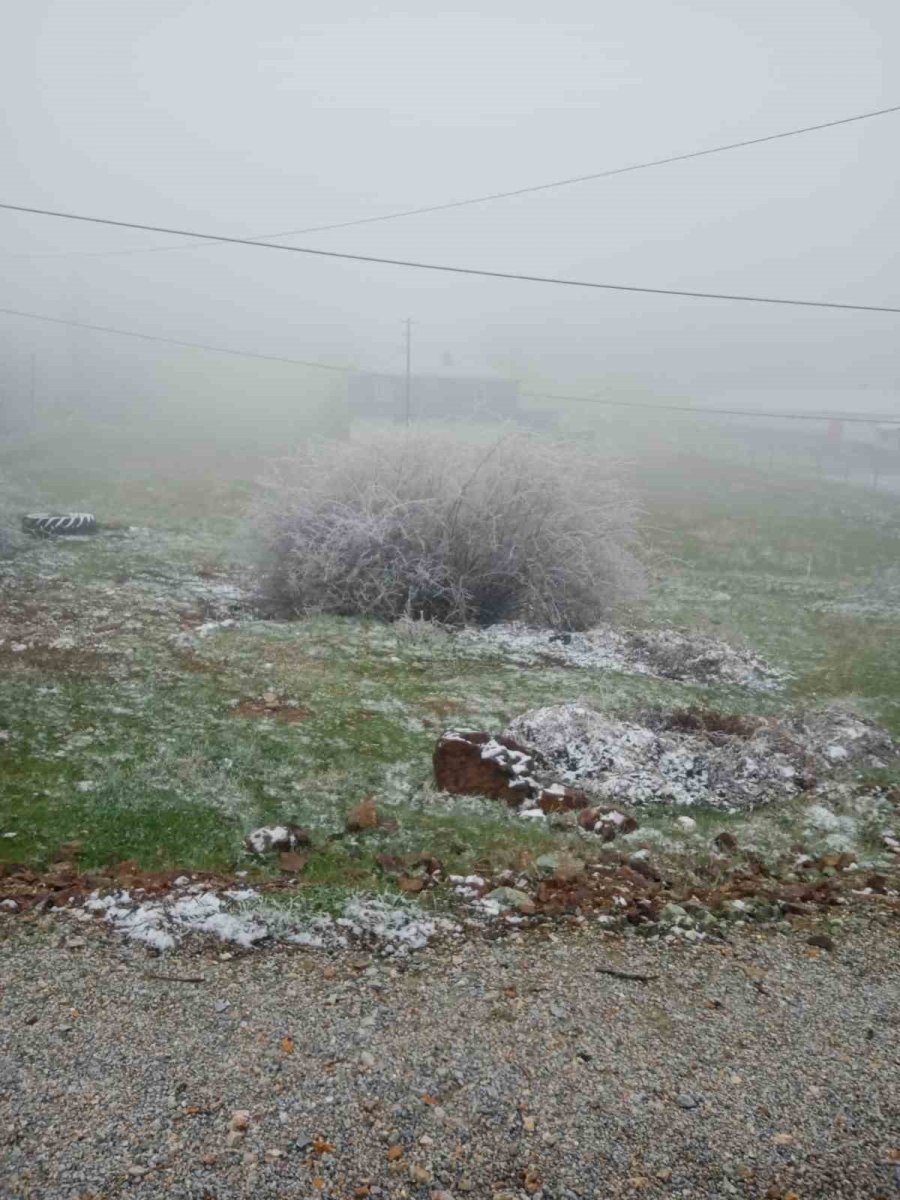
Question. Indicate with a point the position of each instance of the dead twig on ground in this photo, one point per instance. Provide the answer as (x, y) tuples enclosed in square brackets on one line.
[(637, 976)]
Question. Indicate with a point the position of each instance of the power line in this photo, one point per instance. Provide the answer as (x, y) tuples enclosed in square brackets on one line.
[(424, 266), (871, 418), (514, 192), (149, 337)]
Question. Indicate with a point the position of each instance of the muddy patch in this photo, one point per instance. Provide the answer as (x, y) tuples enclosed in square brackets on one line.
[(270, 707)]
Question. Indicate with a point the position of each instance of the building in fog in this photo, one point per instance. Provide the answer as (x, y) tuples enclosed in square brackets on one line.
[(433, 398)]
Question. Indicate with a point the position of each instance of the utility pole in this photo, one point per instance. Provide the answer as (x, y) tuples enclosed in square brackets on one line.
[(33, 394), (408, 375)]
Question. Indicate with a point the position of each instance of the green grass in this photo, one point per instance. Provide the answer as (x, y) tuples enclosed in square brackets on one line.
[(794, 569), (174, 776)]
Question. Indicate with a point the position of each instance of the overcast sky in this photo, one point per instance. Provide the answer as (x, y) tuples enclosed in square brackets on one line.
[(251, 118)]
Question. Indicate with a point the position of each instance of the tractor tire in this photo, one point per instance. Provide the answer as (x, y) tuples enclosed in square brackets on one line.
[(59, 524)]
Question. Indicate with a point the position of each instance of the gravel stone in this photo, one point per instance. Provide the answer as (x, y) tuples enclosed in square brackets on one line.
[(143, 1095)]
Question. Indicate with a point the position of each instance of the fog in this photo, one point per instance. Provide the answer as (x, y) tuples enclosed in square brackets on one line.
[(248, 120)]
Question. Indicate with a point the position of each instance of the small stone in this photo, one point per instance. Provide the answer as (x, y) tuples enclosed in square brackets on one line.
[(686, 1100), (672, 914), (273, 839), (240, 1120), (561, 799), (8, 906), (222, 1005), (290, 862), (363, 817), (367, 1060), (75, 943), (688, 824), (508, 897), (419, 1174), (822, 941)]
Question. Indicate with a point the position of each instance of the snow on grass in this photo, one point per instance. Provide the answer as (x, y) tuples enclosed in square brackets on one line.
[(180, 777), (662, 653)]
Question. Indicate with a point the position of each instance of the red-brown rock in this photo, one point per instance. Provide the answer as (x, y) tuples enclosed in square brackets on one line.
[(290, 862), (364, 816), (560, 798), (461, 768), (607, 822)]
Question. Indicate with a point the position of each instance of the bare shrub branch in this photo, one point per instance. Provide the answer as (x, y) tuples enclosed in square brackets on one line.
[(431, 527)]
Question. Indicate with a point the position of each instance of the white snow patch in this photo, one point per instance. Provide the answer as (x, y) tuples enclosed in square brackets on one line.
[(661, 762), (820, 817), (240, 917), (264, 839), (663, 653), (209, 627), (162, 923)]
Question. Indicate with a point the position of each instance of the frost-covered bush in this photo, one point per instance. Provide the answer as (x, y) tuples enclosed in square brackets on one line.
[(432, 527)]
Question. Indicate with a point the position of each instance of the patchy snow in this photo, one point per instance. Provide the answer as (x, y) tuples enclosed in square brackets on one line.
[(880, 597), (241, 917), (396, 928), (209, 627), (271, 837), (161, 924), (773, 758), (663, 653), (468, 887), (840, 829)]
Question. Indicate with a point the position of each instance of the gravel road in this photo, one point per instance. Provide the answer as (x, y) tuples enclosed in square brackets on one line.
[(514, 1068)]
